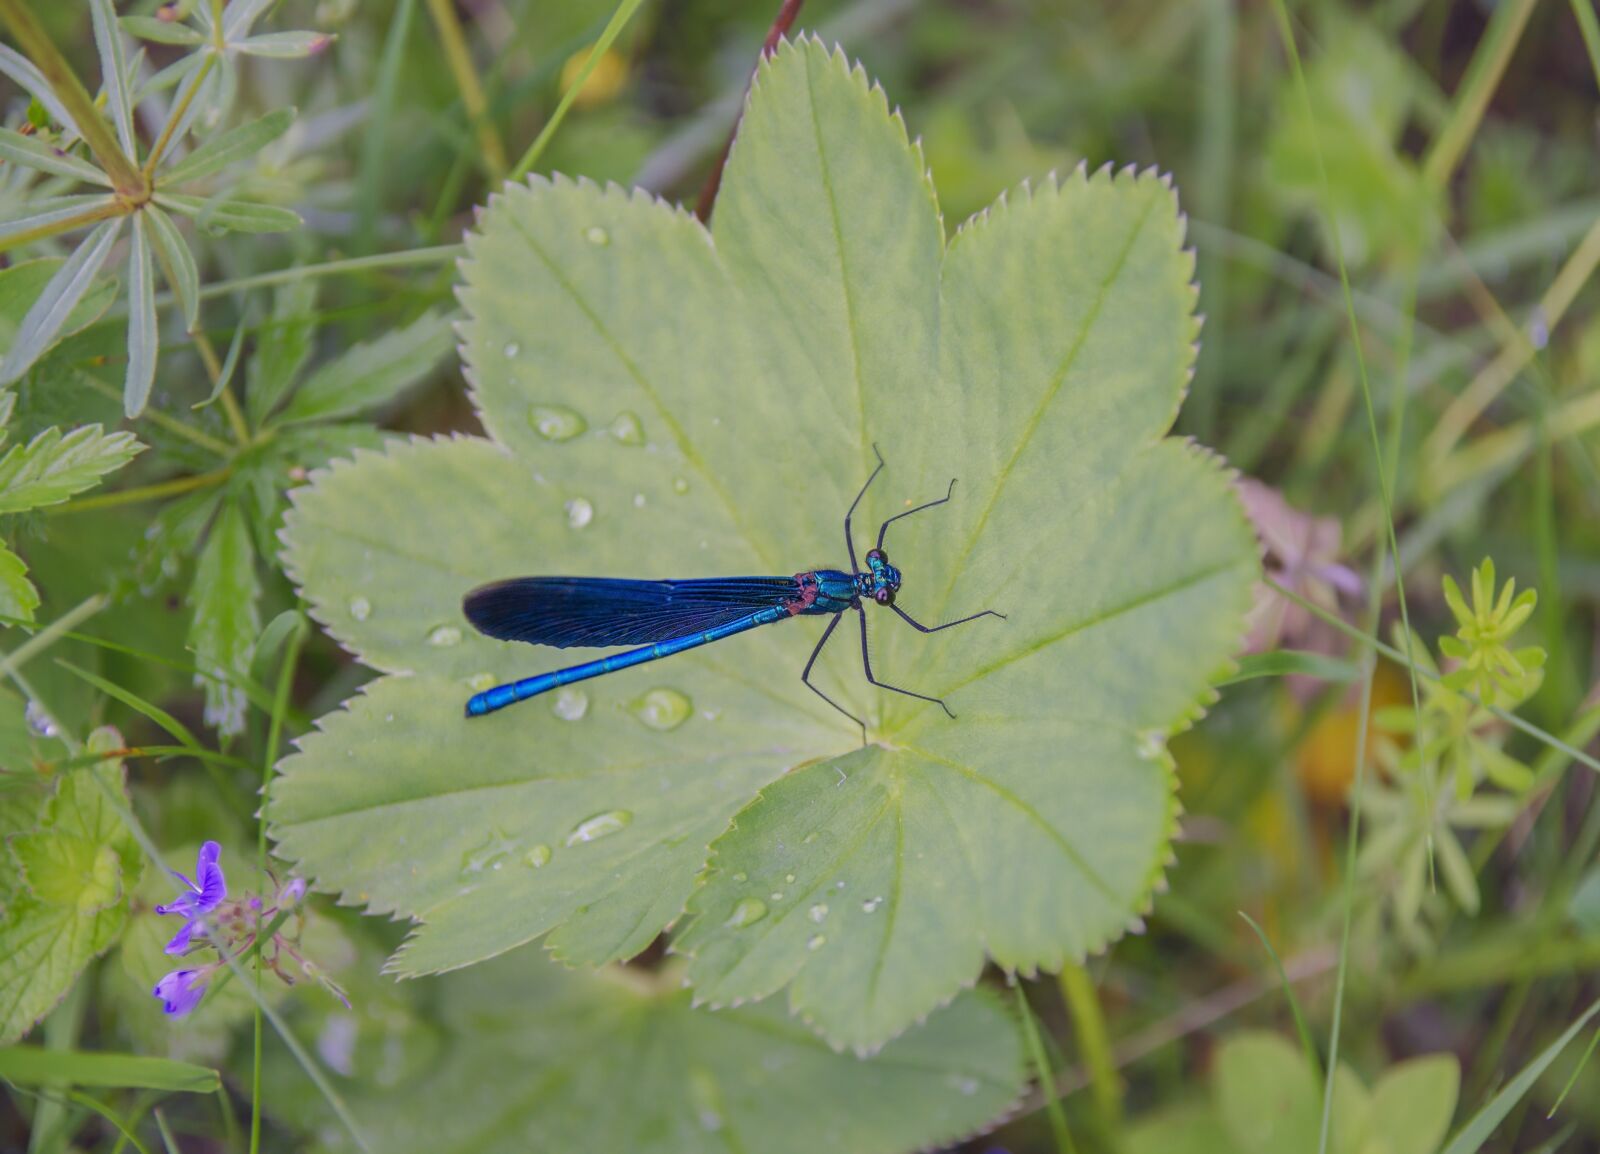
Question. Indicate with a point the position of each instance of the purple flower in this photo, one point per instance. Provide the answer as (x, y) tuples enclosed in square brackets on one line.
[(181, 990), (205, 894)]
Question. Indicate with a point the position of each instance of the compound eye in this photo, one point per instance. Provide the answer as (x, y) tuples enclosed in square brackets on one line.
[(876, 555), (884, 597)]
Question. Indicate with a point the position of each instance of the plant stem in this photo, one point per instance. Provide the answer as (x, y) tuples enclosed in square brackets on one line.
[(159, 149), (88, 216), (153, 492), (1041, 1066), (780, 25), (1089, 1027), (454, 43), (39, 48), (51, 633), (1488, 65), (440, 254)]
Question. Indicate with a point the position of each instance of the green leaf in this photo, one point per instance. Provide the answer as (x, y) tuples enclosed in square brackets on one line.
[(46, 211), (48, 316), (1413, 1102), (114, 74), (33, 1066), (177, 263), (32, 153), (226, 618), (654, 1077), (228, 148), (285, 45), (283, 348), (31, 80), (144, 336), (1266, 1095), (18, 597), (51, 468), (77, 864), (21, 285), (220, 215), (370, 374), (161, 31), (662, 405)]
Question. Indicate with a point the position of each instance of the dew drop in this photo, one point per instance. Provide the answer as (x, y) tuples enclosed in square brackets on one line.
[(599, 826), (777, 895), (746, 912), (579, 512), (662, 709), (512, 349), (556, 422), (1152, 744), (818, 912), (809, 838), (598, 236), (871, 905), (39, 722), (478, 682), (445, 636), (741, 876), (570, 704), (962, 1084), (489, 855), (680, 485), (816, 942), (538, 857), (638, 500), (626, 429), (789, 878), (360, 608)]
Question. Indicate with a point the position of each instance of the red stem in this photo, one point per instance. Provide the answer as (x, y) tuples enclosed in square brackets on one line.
[(787, 12)]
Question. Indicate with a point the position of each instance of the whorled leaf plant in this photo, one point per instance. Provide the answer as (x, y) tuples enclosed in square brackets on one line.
[(663, 399)]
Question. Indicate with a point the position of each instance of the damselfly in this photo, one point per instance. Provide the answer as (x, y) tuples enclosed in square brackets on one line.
[(667, 617)]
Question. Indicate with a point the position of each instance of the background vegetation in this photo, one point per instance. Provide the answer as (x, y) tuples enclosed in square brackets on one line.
[(1393, 211)]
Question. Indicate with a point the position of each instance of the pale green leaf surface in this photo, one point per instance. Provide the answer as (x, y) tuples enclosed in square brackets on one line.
[(18, 597), (177, 263), (45, 212), (58, 300), (51, 468), (373, 373), (227, 148), (114, 74), (226, 616), (16, 148), (1266, 1095), (285, 45), (160, 31), (1413, 1102), (28, 77), (665, 403), (654, 1077), (144, 335), (76, 865), (220, 214)]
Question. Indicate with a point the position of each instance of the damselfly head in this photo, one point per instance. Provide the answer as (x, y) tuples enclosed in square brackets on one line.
[(881, 580)]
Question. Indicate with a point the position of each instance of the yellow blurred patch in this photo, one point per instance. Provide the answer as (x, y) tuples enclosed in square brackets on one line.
[(1326, 760), (604, 83)]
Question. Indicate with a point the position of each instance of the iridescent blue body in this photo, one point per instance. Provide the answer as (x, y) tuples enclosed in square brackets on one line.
[(667, 617)]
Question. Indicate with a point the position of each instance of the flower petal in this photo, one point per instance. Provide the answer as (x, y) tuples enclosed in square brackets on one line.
[(212, 888), (181, 991), (180, 940)]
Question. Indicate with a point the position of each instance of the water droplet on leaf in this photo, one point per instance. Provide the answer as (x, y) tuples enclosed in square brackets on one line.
[(39, 722), (662, 709), (538, 856), (599, 826), (596, 235), (627, 430), (816, 942), (512, 349), (360, 608), (680, 485), (579, 512), (818, 912), (490, 854), (478, 682), (445, 636), (746, 912), (556, 422), (871, 905), (570, 704)]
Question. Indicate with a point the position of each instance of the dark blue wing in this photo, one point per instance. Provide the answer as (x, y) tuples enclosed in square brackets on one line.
[(600, 611)]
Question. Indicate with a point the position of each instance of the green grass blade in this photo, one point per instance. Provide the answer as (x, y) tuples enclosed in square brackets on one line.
[(1046, 1076), (1477, 1131), (1291, 662), (133, 701), (35, 1066)]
